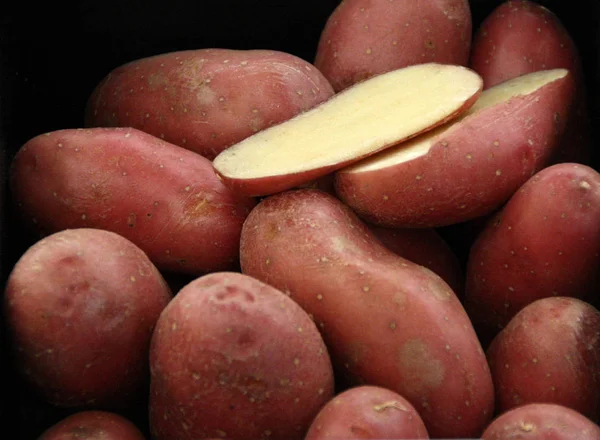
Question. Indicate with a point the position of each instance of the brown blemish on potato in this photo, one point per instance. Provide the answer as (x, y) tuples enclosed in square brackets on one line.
[(421, 371)]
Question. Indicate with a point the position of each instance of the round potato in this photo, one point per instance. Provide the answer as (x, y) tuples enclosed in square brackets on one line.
[(93, 425), (235, 358), (80, 308)]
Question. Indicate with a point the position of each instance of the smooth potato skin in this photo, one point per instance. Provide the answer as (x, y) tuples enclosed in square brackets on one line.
[(544, 242), (363, 296), (93, 425), (367, 412), (541, 421), (549, 352), (80, 307), (206, 100), (363, 38), (427, 248), (233, 357), (165, 199), (471, 169), (498, 54)]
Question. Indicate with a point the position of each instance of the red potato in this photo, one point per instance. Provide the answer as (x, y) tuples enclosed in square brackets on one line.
[(93, 425), (386, 321), (362, 120), (468, 167), (544, 242), (549, 353), (80, 307), (367, 412), (427, 248), (539, 421), (499, 54), (207, 99), (363, 38), (234, 358), (165, 199)]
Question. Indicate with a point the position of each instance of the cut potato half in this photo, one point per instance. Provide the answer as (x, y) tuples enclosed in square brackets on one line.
[(469, 166), (366, 118)]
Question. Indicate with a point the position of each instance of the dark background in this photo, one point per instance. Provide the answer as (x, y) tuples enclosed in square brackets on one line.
[(52, 54)]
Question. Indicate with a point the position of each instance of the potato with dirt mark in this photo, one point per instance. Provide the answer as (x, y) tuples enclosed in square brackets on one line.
[(541, 421), (80, 307), (367, 412), (499, 54), (232, 357), (549, 353), (165, 199), (386, 321), (93, 425), (207, 99), (363, 38), (544, 242)]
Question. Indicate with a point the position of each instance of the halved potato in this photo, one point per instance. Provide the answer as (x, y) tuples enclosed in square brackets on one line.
[(362, 120), (468, 167)]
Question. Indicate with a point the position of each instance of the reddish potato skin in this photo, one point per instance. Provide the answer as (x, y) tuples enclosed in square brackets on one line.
[(550, 353), (541, 421), (498, 54), (233, 357), (363, 38), (471, 169), (544, 242), (362, 297), (367, 412), (93, 425), (206, 100), (80, 307), (427, 248), (165, 199)]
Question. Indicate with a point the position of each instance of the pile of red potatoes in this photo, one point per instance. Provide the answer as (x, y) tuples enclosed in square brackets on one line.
[(246, 244)]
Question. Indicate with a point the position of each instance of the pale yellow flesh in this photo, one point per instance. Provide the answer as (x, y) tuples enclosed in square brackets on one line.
[(373, 114), (420, 145)]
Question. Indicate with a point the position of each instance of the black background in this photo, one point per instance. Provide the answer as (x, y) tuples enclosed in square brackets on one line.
[(52, 54)]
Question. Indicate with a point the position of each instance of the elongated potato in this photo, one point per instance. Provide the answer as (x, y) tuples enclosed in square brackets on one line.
[(542, 421), (427, 248), (544, 242), (367, 412), (93, 425), (549, 353), (363, 38), (80, 307), (364, 119), (499, 54), (386, 321), (207, 99), (165, 199), (468, 167), (232, 357)]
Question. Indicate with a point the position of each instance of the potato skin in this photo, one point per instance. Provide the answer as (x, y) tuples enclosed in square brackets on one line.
[(550, 353), (160, 196), (233, 357), (541, 421), (498, 54), (93, 425), (367, 412), (544, 242), (80, 307), (369, 304), (206, 100), (427, 248), (471, 169), (363, 38)]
